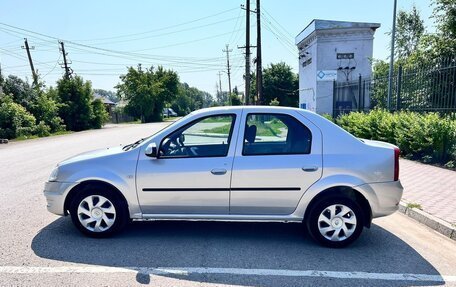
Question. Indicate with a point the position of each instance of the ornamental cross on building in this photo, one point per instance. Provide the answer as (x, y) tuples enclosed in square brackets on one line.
[(333, 52)]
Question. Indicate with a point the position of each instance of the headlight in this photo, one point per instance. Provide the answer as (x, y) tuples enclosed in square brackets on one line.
[(54, 174)]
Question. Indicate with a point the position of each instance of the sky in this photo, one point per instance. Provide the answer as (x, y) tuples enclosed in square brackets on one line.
[(102, 38)]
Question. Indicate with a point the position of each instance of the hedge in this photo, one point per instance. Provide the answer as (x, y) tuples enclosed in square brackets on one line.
[(429, 137)]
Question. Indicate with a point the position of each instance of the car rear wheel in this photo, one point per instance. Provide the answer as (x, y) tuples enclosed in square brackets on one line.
[(98, 213), (335, 222)]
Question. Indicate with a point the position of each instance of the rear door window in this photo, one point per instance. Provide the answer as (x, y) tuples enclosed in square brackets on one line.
[(275, 134)]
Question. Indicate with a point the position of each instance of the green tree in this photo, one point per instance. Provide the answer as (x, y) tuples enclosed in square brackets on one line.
[(147, 92), (235, 100), (442, 43), (189, 99), (20, 91), (76, 98), (279, 82), (274, 102), (409, 30)]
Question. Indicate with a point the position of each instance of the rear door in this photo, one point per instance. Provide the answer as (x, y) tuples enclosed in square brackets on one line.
[(278, 157)]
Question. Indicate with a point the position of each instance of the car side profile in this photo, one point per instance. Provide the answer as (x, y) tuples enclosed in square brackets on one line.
[(246, 163)]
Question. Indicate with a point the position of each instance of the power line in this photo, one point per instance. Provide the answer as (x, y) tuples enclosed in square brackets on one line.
[(236, 26), (130, 55), (278, 23), (287, 39), (184, 43), (165, 34), (53, 68), (160, 29)]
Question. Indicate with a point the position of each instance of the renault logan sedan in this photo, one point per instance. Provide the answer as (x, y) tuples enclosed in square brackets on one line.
[(234, 164)]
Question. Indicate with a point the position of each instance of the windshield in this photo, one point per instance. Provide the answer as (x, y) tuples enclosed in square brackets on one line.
[(138, 142)]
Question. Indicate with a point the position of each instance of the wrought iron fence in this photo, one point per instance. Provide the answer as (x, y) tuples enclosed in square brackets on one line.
[(423, 88)]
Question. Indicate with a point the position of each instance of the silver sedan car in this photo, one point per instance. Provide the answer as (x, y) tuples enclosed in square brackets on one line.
[(250, 163)]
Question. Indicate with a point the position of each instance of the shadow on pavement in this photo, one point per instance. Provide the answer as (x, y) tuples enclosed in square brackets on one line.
[(233, 245)]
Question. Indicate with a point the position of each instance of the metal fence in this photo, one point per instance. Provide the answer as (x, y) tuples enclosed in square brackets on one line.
[(423, 88)]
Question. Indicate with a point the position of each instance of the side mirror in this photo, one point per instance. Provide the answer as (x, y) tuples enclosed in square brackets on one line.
[(151, 150)]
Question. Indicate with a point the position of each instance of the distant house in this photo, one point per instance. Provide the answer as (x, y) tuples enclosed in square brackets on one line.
[(109, 105)]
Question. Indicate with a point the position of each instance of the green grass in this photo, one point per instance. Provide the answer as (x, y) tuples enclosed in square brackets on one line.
[(171, 119), (132, 122), (23, 138), (272, 128), (225, 129), (414, 205), (218, 119)]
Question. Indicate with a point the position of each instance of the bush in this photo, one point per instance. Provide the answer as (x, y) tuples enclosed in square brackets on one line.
[(45, 109), (100, 115), (15, 121), (42, 130), (328, 117), (426, 137)]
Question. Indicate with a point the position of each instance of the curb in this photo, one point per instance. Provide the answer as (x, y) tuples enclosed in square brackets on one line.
[(429, 220)]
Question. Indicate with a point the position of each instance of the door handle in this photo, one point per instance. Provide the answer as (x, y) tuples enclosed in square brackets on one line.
[(218, 171), (310, 168)]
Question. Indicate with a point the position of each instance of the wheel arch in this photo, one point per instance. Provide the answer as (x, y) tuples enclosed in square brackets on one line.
[(96, 183), (345, 191)]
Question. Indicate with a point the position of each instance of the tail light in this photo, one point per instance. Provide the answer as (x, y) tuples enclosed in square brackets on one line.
[(397, 152)]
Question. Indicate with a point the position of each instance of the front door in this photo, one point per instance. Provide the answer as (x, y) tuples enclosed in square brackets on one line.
[(193, 171), (278, 158)]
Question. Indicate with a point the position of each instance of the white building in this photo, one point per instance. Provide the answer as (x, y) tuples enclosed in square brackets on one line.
[(332, 51)]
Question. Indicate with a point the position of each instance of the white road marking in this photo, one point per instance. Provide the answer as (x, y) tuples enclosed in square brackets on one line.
[(230, 271)]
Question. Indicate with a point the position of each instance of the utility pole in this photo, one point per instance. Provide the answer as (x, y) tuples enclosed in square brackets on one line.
[(391, 66), (247, 52), (258, 59), (27, 47), (68, 70), (228, 68), (1, 80), (220, 82)]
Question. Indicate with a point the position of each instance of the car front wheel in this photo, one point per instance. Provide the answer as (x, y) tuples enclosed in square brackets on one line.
[(335, 222), (98, 213)]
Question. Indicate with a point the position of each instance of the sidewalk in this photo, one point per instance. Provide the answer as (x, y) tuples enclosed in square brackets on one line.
[(432, 190)]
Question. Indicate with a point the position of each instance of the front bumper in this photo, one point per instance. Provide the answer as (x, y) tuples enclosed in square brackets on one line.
[(384, 197), (55, 193)]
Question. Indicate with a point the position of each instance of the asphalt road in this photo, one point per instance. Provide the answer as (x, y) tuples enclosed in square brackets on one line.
[(40, 249)]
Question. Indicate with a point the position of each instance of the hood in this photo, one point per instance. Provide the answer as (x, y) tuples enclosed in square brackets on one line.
[(93, 155)]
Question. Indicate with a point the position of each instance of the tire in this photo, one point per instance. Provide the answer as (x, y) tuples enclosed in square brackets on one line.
[(335, 221), (98, 212)]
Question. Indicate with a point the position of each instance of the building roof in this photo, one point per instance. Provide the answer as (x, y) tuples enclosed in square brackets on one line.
[(318, 24), (104, 100)]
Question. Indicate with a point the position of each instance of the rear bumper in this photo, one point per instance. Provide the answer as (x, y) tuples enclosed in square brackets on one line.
[(55, 193), (385, 197)]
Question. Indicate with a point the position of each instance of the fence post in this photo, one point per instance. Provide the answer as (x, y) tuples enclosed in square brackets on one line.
[(334, 99), (399, 86), (359, 92)]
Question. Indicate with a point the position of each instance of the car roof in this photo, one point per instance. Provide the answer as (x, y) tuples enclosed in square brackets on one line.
[(247, 108)]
